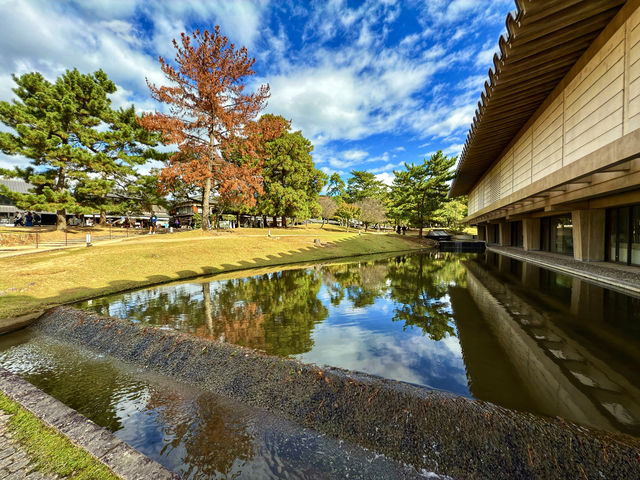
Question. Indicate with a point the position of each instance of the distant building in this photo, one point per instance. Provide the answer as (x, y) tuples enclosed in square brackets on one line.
[(552, 159), (8, 209)]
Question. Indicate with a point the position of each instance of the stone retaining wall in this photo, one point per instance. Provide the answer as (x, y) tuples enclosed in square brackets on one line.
[(429, 429)]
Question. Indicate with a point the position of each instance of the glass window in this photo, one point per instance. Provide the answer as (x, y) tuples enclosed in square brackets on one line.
[(635, 235), (612, 223), (623, 234)]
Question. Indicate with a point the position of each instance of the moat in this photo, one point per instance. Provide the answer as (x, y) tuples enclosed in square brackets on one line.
[(481, 326)]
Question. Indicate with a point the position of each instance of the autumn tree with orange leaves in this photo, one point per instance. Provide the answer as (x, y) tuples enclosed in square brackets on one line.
[(211, 120)]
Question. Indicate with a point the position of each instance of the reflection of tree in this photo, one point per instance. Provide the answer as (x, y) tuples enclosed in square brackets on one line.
[(214, 439), (419, 285), (361, 282), (273, 312)]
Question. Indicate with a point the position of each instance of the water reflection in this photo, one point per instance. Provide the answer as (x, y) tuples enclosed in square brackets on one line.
[(194, 433), (477, 325), (577, 355)]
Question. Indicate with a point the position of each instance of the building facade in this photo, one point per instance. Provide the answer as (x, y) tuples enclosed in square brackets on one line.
[(552, 159)]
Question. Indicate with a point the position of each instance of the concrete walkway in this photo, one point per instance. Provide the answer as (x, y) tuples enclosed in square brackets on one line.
[(14, 460), (621, 277)]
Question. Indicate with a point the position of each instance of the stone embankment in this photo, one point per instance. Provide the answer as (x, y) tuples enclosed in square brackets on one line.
[(429, 429)]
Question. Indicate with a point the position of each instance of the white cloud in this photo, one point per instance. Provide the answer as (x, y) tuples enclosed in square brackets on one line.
[(386, 178), (354, 155)]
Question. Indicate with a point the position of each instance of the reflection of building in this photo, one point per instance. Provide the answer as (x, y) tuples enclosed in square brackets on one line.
[(574, 360), (551, 160)]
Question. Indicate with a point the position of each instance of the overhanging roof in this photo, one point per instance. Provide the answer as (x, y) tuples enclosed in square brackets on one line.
[(544, 40)]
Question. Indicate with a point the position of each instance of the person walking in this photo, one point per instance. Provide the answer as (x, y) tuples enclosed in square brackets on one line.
[(29, 219), (404, 229), (153, 225)]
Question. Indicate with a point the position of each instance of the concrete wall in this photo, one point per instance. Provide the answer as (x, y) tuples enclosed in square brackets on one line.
[(598, 106)]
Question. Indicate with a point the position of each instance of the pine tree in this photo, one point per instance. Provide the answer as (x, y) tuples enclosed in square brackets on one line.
[(363, 184), (420, 190), (54, 125), (336, 186), (209, 115), (292, 184)]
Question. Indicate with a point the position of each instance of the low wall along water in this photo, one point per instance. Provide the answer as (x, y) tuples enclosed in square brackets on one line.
[(429, 429)]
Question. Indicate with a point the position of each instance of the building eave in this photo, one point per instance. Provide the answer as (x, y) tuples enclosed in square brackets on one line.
[(545, 39)]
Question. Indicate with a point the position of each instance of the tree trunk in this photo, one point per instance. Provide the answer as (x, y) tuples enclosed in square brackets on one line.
[(103, 217), (284, 221), (205, 204), (206, 297), (61, 220), (264, 221)]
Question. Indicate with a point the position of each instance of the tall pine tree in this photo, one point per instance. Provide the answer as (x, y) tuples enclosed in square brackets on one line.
[(420, 190), (54, 125), (208, 114), (292, 184)]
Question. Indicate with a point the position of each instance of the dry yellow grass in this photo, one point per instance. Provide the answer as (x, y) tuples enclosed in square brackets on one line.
[(34, 282)]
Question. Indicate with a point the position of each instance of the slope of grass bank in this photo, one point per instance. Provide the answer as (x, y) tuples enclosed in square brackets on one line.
[(34, 282)]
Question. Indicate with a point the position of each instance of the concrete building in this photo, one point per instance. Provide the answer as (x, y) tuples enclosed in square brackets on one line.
[(552, 159)]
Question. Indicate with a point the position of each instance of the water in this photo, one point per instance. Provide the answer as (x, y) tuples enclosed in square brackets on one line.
[(482, 326), (195, 433)]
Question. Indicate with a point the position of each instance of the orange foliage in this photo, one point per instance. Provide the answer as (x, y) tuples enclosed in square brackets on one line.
[(209, 115)]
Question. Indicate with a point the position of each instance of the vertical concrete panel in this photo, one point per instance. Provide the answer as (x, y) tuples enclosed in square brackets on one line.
[(588, 234), (505, 234), (531, 233)]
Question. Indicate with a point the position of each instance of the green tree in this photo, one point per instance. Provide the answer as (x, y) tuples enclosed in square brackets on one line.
[(451, 213), (292, 184), (336, 186), (115, 186), (347, 212), (363, 184), (78, 145), (420, 190), (53, 125)]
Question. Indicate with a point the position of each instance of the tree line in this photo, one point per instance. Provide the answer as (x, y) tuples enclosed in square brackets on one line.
[(84, 154), (417, 197)]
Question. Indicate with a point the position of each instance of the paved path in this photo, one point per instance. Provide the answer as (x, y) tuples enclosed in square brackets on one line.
[(14, 461)]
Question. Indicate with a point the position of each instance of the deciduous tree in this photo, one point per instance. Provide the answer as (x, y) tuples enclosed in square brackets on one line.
[(347, 212), (371, 212), (328, 208), (208, 115)]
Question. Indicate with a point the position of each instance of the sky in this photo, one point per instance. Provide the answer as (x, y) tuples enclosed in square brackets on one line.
[(372, 84)]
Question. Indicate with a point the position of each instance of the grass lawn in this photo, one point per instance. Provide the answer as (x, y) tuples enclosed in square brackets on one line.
[(31, 283)]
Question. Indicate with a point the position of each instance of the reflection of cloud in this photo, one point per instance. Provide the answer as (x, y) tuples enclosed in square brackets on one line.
[(401, 355)]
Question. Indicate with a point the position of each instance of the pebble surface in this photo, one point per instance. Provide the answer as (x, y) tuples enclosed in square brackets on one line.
[(14, 460)]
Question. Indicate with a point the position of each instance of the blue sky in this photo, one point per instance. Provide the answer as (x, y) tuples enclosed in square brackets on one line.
[(373, 84)]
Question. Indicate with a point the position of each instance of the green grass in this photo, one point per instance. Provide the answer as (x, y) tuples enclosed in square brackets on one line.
[(34, 282), (50, 451)]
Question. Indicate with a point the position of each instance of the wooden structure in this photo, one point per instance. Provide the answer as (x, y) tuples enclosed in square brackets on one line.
[(551, 160)]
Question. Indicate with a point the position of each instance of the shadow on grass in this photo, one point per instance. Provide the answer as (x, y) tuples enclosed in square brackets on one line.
[(356, 246)]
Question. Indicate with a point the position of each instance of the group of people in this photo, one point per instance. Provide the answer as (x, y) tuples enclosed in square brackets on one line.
[(403, 228), (27, 220)]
